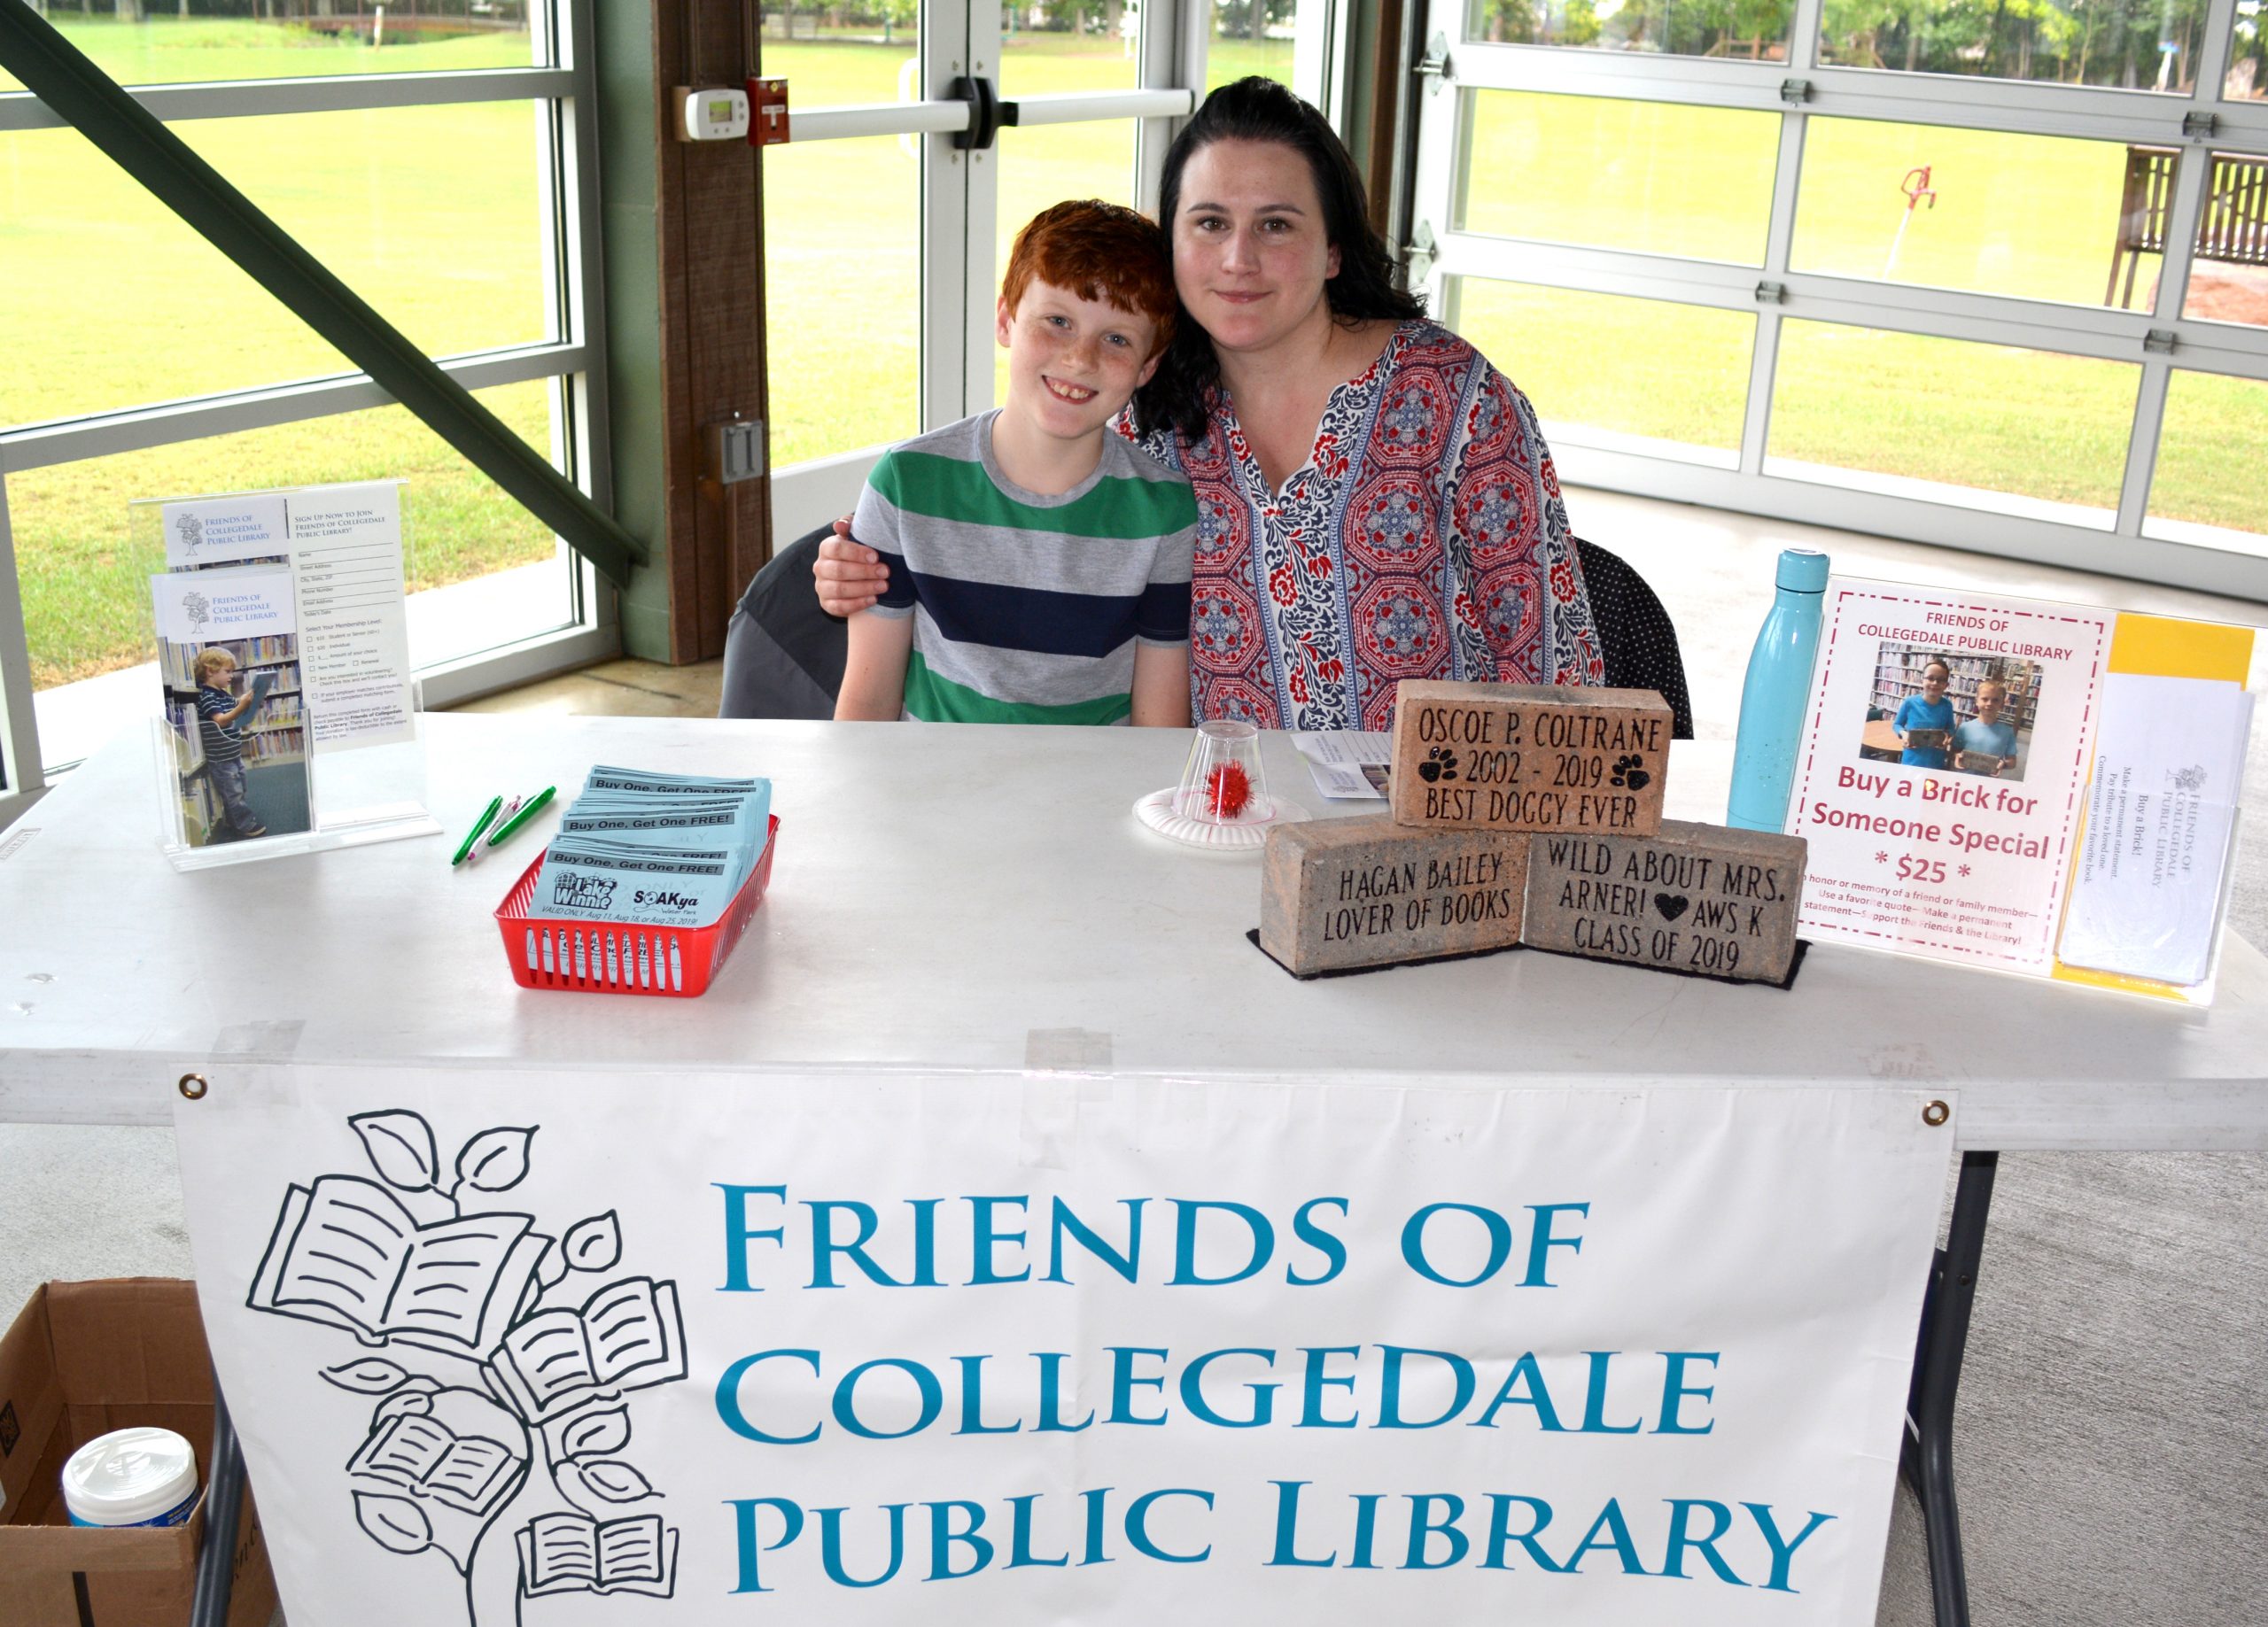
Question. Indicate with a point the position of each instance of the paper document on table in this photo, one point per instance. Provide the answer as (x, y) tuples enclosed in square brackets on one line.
[(592, 879), (740, 819), (1347, 764), (2168, 761), (654, 849), (354, 627), (603, 780)]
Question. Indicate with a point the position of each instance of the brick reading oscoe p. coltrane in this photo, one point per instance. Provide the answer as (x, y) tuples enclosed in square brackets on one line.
[(1529, 757), (1698, 898), (1339, 893)]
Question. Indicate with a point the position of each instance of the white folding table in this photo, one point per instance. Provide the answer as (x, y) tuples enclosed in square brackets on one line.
[(951, 897)]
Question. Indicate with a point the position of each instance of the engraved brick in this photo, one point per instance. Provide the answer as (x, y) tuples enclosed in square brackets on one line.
[(1368, 892), (1529, 757), (1700, 898)]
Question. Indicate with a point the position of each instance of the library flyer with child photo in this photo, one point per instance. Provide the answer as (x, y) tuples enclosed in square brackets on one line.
[(343, 546), (1940, 775), (228, 664)]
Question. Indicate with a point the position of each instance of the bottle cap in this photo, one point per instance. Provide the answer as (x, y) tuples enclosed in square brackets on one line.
[(1803, 570), (139, 1477)]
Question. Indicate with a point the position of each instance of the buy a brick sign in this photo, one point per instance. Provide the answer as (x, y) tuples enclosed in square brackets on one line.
[(1530, 757), (1339, 893), (1699, 898)]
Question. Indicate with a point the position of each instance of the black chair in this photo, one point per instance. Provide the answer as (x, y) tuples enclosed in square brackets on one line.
[(1634, 635), (783, 654)]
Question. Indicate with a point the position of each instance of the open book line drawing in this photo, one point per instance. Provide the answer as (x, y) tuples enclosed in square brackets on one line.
[(347, 1251), (570, 1554), (628, 1336), (452, 1470), (424, 1456)]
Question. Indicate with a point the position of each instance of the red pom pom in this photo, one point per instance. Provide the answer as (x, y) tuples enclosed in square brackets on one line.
[(1227, 789)]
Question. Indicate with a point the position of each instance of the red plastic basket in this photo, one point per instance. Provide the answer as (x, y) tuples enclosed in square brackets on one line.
[(547, 952)]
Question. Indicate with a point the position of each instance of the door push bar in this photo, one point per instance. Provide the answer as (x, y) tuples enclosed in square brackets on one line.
[(987, 113)]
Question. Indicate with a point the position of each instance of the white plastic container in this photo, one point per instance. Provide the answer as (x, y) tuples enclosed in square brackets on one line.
[(143, 1476)]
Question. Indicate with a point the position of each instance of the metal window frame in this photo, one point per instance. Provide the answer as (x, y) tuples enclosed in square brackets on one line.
[(1774, 295), (564, 97), (254, 98), (138, 429), (22, 777)]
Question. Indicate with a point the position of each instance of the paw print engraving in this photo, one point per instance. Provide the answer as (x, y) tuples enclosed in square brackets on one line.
[(1440, 763), (1629, 775)]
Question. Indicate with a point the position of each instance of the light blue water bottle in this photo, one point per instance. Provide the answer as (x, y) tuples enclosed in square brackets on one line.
[(1778, 690)]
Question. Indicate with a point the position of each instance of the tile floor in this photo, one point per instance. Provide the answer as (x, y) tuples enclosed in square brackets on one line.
[(626, 687)]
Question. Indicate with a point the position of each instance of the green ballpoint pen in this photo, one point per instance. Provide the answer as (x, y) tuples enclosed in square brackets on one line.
[(473, 835), (535, 806)]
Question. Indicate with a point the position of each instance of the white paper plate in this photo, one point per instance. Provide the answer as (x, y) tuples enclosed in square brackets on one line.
[(1157, 812)]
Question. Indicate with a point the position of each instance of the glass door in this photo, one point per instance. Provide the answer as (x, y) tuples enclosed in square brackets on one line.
[(922, 137)]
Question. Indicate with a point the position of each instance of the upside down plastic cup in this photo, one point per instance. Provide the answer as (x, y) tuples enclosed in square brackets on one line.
[(1222, 783)]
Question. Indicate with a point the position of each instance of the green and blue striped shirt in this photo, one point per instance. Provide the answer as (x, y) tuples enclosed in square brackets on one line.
[(1026, 608)]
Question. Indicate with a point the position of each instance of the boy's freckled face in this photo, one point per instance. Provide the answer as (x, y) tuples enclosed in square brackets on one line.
[(1073, 363), (1988, 705)]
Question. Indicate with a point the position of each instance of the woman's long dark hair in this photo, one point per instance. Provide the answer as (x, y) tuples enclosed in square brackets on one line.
[(1363, 290)]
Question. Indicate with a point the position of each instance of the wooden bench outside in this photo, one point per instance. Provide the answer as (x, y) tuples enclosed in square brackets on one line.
[(2232, 228)]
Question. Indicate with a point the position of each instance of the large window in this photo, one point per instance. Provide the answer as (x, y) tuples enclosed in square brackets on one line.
[(1993, 276), (143, 364)]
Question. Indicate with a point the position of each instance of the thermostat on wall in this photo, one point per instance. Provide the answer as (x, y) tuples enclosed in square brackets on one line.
[(712, 115)]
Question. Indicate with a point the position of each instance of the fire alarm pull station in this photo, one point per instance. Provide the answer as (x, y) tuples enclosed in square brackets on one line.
[(768, 112), (719, 114)]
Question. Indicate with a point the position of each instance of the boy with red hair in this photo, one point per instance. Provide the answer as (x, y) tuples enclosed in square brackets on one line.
[(1038, 564)]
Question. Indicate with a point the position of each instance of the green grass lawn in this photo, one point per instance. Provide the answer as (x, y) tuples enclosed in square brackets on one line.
[(434, 214), (85, 572), (170, 50)]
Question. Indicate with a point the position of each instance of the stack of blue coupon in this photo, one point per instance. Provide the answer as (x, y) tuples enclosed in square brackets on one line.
[(654, 850)]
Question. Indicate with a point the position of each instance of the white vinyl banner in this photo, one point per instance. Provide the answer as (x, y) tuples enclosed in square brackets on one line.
[(509, 1346)]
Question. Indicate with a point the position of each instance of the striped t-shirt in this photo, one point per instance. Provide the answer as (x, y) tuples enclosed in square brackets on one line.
[(1026, 608), (223, 742)]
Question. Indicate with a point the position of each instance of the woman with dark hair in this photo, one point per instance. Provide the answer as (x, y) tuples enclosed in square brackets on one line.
[(1375, 501)]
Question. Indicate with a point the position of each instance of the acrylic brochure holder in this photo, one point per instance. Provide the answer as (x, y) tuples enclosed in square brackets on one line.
[(286, 713), (2021, 785)]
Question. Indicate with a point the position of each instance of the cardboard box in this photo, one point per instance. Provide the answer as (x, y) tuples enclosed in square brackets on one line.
[(84, 1359)]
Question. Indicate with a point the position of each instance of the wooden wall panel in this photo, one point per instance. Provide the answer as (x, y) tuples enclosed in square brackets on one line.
[(1389, 117), (710, 216)]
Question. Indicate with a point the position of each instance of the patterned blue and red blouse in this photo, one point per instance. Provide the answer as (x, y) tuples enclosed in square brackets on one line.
[(1423, 537)]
